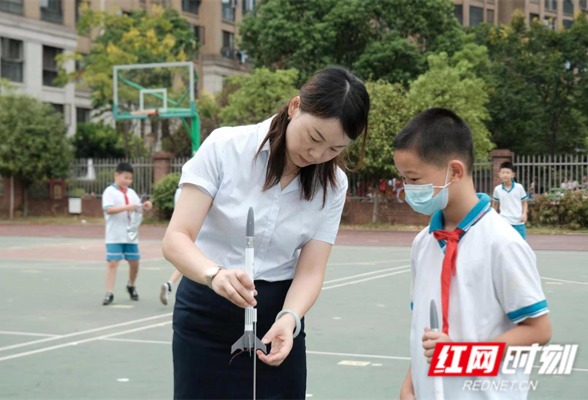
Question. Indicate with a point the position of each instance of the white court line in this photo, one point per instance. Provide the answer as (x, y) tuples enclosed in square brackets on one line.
[(27, 334), (138, 341), (83, 332), (364, 280), (28, 353), (367, 273), (367, 262), (563, 280)]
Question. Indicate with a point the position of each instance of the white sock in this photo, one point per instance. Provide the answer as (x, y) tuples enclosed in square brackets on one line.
[(170, 286)]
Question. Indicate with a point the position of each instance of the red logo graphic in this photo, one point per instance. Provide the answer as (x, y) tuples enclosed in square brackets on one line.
[(466, 359)]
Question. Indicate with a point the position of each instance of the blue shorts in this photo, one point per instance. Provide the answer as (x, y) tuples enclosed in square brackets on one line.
[(521, 228), (116, 251)]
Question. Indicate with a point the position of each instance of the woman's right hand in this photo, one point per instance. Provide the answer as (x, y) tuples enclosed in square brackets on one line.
[(235, 285)]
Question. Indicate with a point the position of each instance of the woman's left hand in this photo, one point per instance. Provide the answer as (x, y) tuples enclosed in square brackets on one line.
[(281, 336)]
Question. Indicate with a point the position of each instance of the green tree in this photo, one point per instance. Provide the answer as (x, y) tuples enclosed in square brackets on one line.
[(258, 96), (135, 38), (389, 112), (96, 141), (394, 59), (33, 143), (164, 193), (538, 86), (458, 89), (309, 35)]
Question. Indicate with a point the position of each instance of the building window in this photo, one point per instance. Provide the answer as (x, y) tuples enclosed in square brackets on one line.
[(568, 7), (52, 11), (58, 108), (50, 66), (191, 6), (550, 23), (228, 49), (533, 17), (551, 5), (82, 115), (490, 16), (11, 6), (199, 32), (476, 15), (11, 59), (79, 4), (248, 6), (166, 4), (459, 13), (568, 23), (228, 10), (583, 5)]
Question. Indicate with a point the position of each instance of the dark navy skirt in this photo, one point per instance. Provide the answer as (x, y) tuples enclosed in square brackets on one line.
[(205, 327)]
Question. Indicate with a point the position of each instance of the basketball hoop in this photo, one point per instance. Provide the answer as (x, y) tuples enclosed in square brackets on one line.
[(158, 91)]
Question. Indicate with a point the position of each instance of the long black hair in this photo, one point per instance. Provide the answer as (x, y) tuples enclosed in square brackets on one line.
[(333, 93)]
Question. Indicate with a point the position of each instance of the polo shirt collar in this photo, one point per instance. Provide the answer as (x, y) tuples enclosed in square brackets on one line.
[(475, 215)]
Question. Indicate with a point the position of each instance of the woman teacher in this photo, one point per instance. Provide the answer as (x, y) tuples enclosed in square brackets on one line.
[(288, 170)]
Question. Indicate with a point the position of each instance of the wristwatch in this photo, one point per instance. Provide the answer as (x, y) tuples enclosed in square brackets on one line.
[(211, 273)]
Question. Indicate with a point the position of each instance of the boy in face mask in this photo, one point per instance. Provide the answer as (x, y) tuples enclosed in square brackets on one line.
[(469, 260)]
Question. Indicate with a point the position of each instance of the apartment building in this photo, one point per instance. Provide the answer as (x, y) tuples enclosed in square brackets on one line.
[(32, 33), (555, 13), (474, 12)]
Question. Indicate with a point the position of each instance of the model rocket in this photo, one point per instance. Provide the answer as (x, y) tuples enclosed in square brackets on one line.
[(249, 340), (438, 381)]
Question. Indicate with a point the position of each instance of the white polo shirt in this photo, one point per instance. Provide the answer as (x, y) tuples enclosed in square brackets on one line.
[(225, 169), (117, 224), (496, 286), (177, 196), (511, 202)]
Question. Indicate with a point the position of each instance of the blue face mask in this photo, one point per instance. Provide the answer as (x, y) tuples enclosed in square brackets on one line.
[(420, 197)]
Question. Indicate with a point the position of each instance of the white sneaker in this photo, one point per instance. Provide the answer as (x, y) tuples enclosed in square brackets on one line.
[(165, 291)]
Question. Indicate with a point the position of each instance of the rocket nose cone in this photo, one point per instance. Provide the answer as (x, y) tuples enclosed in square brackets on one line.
[(250, 223), (433, 315)]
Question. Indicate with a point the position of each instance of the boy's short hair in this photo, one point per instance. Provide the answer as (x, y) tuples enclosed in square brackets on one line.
[(438, 135), (507, 165), (124, 167)]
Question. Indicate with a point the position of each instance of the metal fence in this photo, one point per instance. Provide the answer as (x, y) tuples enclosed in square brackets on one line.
[(540, 174), (361, 186), (177, 163), (483, 177), (92, 176)]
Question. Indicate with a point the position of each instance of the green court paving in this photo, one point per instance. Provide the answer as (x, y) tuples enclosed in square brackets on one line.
[(58, 342)]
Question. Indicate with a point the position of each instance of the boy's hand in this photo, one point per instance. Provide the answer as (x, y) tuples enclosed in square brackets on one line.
[(132, 207), (147, 205), (430, 339), (524, 217)]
